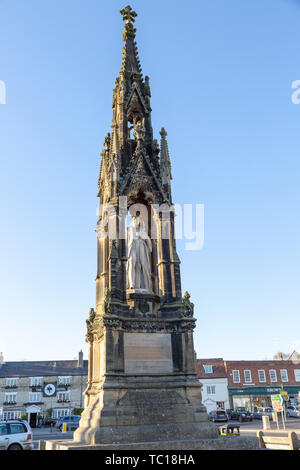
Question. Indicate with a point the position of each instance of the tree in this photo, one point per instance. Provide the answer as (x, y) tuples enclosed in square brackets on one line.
[(281, 355)]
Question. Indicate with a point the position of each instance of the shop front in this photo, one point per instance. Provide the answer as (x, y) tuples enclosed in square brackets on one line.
[(260, 397)]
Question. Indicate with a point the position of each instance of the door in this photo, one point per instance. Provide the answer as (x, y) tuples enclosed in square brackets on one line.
[(33, 417), (4, 438)]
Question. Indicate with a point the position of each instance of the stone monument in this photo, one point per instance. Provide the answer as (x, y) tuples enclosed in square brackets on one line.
[(142, 384)]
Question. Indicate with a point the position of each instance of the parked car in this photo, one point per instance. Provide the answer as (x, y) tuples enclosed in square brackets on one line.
[(72, 422), (267, 411), (241, 413), (292, 411), (15, 435), (218, 415)]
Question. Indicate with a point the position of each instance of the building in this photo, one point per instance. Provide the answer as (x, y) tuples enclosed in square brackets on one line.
[(251, 383), (213, 376), (37, 390)]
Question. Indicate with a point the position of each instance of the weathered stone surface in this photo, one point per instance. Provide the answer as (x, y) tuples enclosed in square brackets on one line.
[(222, 443), (146, 352)]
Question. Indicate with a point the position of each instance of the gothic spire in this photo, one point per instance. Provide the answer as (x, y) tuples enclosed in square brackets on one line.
[(165, 163), (130, 62)]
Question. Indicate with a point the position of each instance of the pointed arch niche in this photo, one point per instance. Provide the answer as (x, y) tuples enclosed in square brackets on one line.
[(139, 206)]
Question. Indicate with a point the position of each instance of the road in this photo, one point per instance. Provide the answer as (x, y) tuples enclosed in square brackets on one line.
[(46, 434), (249, 428)]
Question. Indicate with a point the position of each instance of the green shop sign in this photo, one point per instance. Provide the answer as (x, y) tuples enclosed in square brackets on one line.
[(263, 390)]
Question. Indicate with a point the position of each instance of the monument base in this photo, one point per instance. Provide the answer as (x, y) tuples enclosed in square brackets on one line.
[(219, 443), (142, 409)]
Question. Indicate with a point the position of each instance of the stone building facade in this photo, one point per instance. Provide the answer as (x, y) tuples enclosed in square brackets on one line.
[(39, 390)]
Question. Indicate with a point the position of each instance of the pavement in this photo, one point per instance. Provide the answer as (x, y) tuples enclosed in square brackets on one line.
[(49, 434)]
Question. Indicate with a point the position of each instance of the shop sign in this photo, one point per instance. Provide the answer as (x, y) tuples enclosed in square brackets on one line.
[(277, 400), (278, 408), (258, 390)]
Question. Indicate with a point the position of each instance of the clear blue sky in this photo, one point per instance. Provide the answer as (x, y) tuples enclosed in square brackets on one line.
[(220, 74)]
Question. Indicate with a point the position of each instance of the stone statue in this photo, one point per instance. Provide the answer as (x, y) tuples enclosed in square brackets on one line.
[(139, 134), (188, 305), (139, 249)]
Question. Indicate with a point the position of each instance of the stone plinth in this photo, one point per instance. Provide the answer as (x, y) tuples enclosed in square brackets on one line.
[(221, 443), (139, 407)]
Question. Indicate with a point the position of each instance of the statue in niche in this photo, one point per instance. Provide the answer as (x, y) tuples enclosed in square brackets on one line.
[(139, 247), (139, 134)]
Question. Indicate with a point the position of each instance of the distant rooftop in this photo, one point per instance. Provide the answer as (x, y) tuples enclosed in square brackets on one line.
[(42, 368), (217, 368)]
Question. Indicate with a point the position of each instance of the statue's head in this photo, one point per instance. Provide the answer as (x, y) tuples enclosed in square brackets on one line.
[(137, 221)]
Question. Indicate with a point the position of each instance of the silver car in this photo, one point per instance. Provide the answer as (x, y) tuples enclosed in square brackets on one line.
[(292, 411), (15, 435)]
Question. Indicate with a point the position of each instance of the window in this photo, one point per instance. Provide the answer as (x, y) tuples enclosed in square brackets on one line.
[(273, 375), (220, 405), (34, 397), (284, 375), (17, 428), (36, 381), (10, 398), (210, 390), (236, 376), (11, 382), (63, 396), (64, 380), (247, 376), (261, 375), (297, 375), (60, 413), (12, 415), (208, 369), (3, 429)]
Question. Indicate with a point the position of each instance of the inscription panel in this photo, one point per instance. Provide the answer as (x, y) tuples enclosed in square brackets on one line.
[(148, 353)]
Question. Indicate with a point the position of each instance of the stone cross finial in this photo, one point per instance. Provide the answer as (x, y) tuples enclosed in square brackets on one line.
[(128, 14)]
